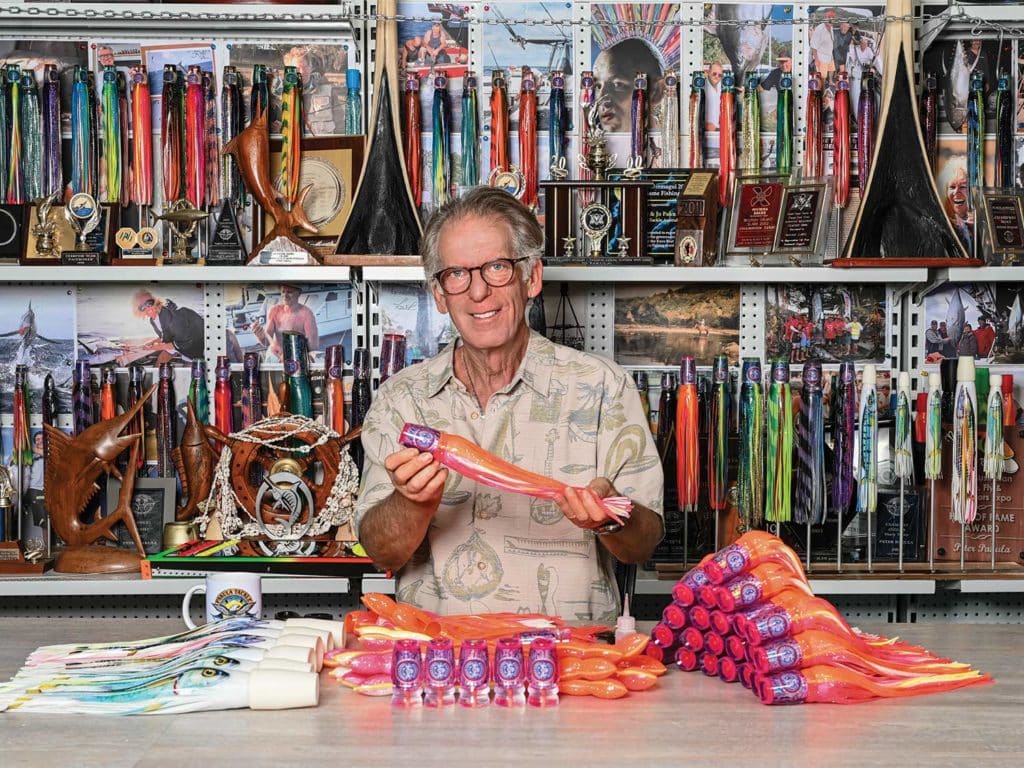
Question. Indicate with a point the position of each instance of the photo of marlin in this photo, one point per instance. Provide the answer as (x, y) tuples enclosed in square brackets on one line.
[(37, 329), (743, 31)]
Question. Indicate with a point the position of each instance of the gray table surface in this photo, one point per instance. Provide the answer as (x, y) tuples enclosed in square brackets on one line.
[(689, 719)]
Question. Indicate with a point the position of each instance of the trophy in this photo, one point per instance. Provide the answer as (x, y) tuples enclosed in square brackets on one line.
[(83, 214), (44, 229), (182, 217)]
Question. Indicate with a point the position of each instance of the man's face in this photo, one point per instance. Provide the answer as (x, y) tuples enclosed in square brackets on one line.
[(614, 93), (290, 294), (487, 318), (956, 191), (844, 27), (37, 444), (715, 73), (976, 45)]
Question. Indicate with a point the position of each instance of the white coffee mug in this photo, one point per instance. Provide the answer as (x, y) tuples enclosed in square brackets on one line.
[(228, 595)]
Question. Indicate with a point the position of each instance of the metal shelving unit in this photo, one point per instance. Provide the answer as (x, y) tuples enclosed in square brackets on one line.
[(174, 274), (131, 585)]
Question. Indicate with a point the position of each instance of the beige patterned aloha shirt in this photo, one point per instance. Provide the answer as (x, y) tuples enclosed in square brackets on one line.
[(566, 414)]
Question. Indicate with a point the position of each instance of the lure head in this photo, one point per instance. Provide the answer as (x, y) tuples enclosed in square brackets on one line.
[(251, 363), (751, 370), (557, 80), (688, 370), (166, 372), (780, 371), (721, 369), (786, 688), (977, 81), (223, 368), (812, 375), (698, 82), (419, 437), (334, 361), (728, 83), (847, 373), (671, 81), (814, 83), (83, 372), (199, 368), (135, 374), (109, 374)]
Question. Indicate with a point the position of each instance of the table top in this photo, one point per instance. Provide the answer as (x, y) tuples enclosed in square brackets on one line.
[(688, 719)]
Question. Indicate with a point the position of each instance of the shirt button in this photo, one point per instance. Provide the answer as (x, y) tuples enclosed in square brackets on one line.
[(474, 415)]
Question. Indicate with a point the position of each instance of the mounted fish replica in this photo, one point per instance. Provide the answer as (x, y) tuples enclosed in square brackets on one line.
[(251, 150), (72, 469), (901, 220)]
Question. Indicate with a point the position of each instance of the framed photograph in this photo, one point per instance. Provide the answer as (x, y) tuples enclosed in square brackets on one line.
[(801, 220), (331, 164), (1003, 214), (100, 239), (153, 500), (754, 217)]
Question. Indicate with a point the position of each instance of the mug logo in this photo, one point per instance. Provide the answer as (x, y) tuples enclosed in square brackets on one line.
[(232, 602)]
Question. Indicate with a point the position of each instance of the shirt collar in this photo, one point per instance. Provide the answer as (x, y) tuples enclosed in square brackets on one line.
[(534, 371)]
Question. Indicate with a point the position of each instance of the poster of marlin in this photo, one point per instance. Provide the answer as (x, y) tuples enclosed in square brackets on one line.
[(37, 329)]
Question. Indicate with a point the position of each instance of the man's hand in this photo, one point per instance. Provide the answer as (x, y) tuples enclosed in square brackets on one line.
[(416, 476), (583, 507)]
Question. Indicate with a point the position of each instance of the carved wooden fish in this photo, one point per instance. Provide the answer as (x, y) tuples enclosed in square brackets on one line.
[(195, 460)]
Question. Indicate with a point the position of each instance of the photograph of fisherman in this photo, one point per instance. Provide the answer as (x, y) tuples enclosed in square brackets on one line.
[(862, 57), (954, 62), (457, 545), (615, 71), (956, 200), (288, 314), (823, 44), (178, 329), (985, 320), (37, 329)]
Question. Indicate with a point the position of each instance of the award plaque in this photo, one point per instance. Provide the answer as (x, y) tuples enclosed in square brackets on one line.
[(1002, 237), (757, 203), (12, 233), (804, 210), (89, 222), (226, 246), (136, 246), (696, 235), (776, 221)]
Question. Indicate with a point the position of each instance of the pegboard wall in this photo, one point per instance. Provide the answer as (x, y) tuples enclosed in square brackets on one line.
[(955, 607)]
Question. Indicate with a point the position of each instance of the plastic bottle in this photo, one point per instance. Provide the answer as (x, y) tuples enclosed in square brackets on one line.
[(406, 674), (542, 674), (474, 687), (439, 669), (509, 673), (625, 624)]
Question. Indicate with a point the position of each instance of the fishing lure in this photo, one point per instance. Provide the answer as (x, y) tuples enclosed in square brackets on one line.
[(471, 132), (172, 130), (81, 396), (933, 429), (827, 684), (964, 488), (232, 120), (588, 120), (31, 138), (195, 137), (166, 423), (528, 138), (695, 122), (809, 478), (49, 409), (137, 426), (108, 404), (5, 133), (441, 157), (21, 449), (291, 134), (976, 136), (334, 396), (779, 460), (994, 458), (929, 110), (750, 481), (111, 134), (904, 458), (718, 435), (727, 141), (762, 582), (687, 437), (866, 110), (15, 172), (750, 550), (784, 125), (353, 102), (53, 172), (222, 397), (81, 119), (638, 121), (670, 123), (557, 118), (500, 156), (122, 110), (259, 97), (1005, 157), (413, 139), (844, 411), (198, 394), (458, 454), (841, 141), (1009, 406), (867, 478), (213, 165), (750, 128), (142, 139)]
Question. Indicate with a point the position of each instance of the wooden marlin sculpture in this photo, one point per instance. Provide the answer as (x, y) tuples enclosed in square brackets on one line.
[(251, 150), (74, 465), (195, 461)]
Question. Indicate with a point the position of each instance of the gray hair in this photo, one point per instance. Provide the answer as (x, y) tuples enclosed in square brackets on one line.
[(485, 202)]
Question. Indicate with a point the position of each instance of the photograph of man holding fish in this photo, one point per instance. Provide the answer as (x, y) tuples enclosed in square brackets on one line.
[(981, 319)]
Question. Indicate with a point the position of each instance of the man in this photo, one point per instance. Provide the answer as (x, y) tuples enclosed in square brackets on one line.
[(821, 44), (770, 101), (841, 39), (411, 52), (615, 71), (985, 337), (713, 96), (854, 328), (434, 44), (932, 339), (287, 315), (860, 57), (177, 328), (968, 346), (459, 546)]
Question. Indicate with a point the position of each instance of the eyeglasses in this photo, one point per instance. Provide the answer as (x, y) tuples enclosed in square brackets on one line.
[(497, 274), (147, 304)]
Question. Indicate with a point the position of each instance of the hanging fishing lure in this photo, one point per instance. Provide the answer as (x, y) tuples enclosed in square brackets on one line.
[(198, 394), (687, 437), (638, 121), (291, 135), (111, 117), (334, 394), (557, 125), (751, 127), (809, 478), (976, 136), (142, 138), (500, 157), (123, 112), (814, 164), (841, 141), (49, 410), (750, 481), (784, 125), (866, 113), (1005, 156), (166, 422), (726, 141), (994, 457), (259, 96), (232, 120), (867, 477), (779, 459), (53, 172), (929, 109), (15, 172), (81, 397), (108, 392), (695, 122), (588, 119), (172, 131), (136, 374), (964, 488), (21, 450), (670, 123), (413, 145), (718, 435), (933, 429), (222, 397), (354, 102), (195, 137), (471, 132), (31, 138), (844, 413), (903, 454), (252, 390), (5, 134), (528, 138), (441, 157), (1009, 406), (212, 139)]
